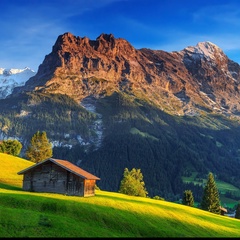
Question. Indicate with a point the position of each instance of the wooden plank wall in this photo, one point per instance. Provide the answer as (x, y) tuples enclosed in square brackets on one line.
[(50, 177)]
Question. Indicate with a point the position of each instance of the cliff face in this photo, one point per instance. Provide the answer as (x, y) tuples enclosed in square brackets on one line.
[(196, 79)]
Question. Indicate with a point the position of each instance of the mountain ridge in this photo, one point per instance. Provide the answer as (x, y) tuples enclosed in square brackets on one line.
[(195, 78)]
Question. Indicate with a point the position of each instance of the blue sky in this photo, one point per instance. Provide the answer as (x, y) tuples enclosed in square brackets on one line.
[(29, 28)]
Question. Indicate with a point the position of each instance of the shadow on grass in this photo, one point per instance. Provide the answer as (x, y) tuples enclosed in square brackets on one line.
[(10, 187)]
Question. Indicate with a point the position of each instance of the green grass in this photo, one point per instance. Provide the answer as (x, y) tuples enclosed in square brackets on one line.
[(10, 165), (108, 214), (142, 134), (223, 187)]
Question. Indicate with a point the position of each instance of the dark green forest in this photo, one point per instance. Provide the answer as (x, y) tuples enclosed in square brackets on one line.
[(136, 134)]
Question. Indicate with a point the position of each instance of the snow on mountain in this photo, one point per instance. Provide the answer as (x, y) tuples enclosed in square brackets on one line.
[(11, 78), (205, 49)]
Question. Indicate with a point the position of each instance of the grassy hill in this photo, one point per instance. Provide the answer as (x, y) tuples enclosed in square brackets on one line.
[(10, 165), (108, 214)]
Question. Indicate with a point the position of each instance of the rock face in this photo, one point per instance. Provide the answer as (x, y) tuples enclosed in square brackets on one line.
[(196, 79)]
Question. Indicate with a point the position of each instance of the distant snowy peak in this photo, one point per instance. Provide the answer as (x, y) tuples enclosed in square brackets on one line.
[(205, 49), (208, 47), (11, 78), (14, 70)]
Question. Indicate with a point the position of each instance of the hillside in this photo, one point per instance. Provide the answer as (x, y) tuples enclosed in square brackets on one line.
[(108, 214), (10, 165), (106, 106)]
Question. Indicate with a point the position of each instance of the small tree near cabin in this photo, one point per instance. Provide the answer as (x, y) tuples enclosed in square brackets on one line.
[(12, 147), (40, 148), (188, 198), (132, 183), (210, 200)]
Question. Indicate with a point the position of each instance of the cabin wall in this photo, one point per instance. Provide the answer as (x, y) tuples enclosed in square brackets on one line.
[(75, 185), (52, 178), (89, 188)]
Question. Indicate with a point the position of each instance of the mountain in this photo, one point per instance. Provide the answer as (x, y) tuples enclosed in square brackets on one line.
[(106, 106), (196, 79), (11, 78)]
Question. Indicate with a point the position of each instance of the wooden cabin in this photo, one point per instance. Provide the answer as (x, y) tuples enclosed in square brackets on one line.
[(223, 210), (58, 176)]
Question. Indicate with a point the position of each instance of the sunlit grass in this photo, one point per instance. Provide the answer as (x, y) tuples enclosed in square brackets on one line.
[(110, 214), (107, 214), (10, 165)]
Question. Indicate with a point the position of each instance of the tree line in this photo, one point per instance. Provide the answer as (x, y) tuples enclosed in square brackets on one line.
[(136, 134), (38, 150), (132, 184)]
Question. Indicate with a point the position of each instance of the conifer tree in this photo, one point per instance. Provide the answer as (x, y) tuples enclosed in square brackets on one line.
[(237, 214), (40, 148), (132, 183), (188, 198), (210, 200)]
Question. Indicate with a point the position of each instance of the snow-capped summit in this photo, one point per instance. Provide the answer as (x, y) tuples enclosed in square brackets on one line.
[(205, 49), (11, 78)]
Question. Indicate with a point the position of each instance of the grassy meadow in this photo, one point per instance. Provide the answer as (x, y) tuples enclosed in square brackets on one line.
[(107, 214), (223, 187)]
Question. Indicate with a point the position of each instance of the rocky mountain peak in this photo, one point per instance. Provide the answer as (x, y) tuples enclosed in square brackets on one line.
[(208, 47), (65, 40), (196, 78), (103, 43), (106, 37), (207, 50)]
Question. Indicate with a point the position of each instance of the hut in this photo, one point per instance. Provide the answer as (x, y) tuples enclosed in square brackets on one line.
[(223, 210), (58, 176)]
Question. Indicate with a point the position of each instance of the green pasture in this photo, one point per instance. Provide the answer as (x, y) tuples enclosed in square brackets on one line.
[(107, 214), (223, 187)]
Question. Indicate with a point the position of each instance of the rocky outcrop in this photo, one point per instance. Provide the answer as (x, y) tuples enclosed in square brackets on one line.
[(196, 79)]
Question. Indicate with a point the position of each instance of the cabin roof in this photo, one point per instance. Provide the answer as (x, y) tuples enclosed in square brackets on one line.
[(223, 209), (66, 165)]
